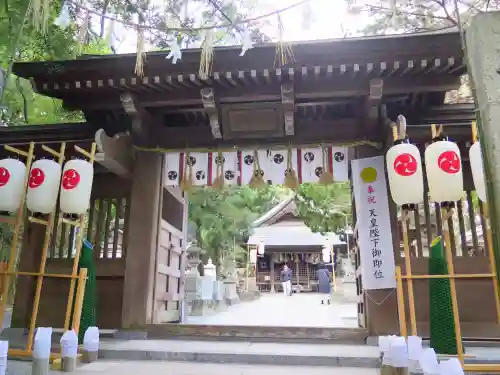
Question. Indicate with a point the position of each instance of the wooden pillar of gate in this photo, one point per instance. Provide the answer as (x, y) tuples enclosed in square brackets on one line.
[(144, 222), (380, 307), (29, 261)]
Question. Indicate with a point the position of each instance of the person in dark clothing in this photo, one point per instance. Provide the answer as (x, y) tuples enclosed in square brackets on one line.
[(286, 280), (324, 286)]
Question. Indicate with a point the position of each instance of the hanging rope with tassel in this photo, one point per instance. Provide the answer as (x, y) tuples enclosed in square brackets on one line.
[(82, 33), (291, 180), (187, 174), (257, 180), (40, 11), (326, 176), (207, 54), (218, 183), (284, 53), (141, 53)]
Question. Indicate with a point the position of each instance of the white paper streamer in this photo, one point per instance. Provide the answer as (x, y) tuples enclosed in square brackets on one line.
[(63, 19), (246, 43), (175, 53)]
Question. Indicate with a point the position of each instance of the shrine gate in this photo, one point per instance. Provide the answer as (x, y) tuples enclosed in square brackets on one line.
[(341, 92)]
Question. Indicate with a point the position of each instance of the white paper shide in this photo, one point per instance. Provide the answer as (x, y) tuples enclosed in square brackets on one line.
[(374, 226)]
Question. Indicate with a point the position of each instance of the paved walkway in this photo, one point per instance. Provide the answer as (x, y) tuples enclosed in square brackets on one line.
[(180, 368), (299, 310)]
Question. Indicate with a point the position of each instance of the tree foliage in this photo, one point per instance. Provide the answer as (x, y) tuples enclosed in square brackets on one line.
[(324, 208)]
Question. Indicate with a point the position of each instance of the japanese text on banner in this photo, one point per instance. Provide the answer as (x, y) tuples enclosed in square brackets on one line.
[(373, 222)]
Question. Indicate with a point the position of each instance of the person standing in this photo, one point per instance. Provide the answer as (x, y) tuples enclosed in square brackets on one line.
[(286, 280), (324, 286)]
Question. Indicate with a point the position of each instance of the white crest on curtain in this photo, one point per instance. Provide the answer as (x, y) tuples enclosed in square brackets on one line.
[(199, 164), (278, 164), (172, 169), (230, 167), (340, 164)]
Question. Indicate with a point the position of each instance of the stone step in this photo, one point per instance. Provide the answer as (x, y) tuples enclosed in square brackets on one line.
[(185, 368), (276, 353), (248, 333)]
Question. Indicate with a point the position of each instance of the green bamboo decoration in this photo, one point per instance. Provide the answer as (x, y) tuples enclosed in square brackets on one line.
[(442, 326)]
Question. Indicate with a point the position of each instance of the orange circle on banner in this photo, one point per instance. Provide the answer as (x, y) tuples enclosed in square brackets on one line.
[(368, 175)]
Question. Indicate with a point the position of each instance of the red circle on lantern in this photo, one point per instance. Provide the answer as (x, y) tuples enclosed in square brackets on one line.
[(71, 179), (405, 165), (4, 176), (449, 162), (37, 177)]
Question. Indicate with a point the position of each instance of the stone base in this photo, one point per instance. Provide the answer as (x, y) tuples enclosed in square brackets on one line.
[(249, 296), (68, 364), (40, 366), (220, 306), (201, 308), (89, 357)]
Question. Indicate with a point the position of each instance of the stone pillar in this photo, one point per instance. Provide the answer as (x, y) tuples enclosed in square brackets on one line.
[(483, 46), (145, 216)]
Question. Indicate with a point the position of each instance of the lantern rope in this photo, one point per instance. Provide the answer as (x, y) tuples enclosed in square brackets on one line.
[(377, 145)]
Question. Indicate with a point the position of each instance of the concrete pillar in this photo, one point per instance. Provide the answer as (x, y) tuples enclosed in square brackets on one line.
[(483, 44), (271, 272), (145, 216)]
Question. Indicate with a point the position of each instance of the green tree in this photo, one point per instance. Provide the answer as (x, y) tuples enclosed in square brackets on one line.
[(224, 218), (324, 208)]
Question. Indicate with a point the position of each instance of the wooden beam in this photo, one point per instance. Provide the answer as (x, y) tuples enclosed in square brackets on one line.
[(142, 121), (304, 90), (307, 131), (115, 153), (288, 103), (208, 99)]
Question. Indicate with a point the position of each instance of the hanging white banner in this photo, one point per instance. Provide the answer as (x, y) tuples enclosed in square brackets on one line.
[(373, 222)]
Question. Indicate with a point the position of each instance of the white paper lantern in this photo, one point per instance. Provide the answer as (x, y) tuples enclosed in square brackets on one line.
[(76, 186), (12, 178), (476, 165), (443, 165), (43, 186), (404, 171), (261, 248)]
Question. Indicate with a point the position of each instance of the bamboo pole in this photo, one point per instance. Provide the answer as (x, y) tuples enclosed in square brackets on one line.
[(453, 289), (80, 293), (43, 261), (406, 249), (17, 226), (78, 248), (401, 303), (409, 282)]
